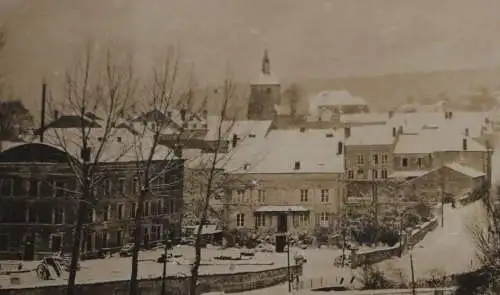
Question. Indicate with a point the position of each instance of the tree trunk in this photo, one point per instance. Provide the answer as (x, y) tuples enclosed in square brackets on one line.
[(137, 242), (75, 253)]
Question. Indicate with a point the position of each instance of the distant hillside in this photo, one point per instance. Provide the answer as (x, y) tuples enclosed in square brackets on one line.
[(385, 91)]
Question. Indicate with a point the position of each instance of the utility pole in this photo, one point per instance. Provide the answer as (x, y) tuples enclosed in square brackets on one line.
[(413, 291), (288, 263), (441, 183)]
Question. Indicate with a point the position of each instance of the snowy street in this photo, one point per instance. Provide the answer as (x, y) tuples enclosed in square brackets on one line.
[(449, 249)]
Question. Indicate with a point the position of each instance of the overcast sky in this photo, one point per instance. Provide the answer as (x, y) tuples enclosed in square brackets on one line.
[(305, 38)]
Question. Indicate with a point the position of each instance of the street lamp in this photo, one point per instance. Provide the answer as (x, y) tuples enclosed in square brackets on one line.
[(164, 274)]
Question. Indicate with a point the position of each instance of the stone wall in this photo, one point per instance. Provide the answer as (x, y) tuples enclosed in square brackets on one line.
[(359, 258), (234, 282)]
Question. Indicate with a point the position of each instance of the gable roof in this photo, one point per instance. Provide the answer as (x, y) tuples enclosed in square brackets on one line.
[(281, 149), (241, 128), (364, 118), (429, 141), (336, 98), (370, 135), (465, 170)]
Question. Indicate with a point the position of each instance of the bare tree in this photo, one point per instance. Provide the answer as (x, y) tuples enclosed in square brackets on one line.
[(212, 172), (154, 161), (96, 98)]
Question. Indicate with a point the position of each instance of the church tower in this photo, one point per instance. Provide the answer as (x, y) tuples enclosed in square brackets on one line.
[(265, 93)]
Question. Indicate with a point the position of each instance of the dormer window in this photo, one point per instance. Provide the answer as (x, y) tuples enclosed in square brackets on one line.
[(246, 166), (99, 138), (251, 135), (297, 165), (118, 139)]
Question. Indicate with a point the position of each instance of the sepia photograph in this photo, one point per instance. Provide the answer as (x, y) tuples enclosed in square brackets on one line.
[(249, 147)]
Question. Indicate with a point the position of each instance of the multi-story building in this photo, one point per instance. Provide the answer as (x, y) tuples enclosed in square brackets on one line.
[(296, 173), (39, 188), (368, 157)]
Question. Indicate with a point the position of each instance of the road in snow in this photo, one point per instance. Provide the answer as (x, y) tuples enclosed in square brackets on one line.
[(449, 249)]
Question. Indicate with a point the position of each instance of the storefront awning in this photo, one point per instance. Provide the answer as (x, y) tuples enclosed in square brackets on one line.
[(282, 209)]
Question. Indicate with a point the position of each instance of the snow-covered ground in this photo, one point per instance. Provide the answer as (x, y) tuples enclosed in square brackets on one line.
[(449, 249)]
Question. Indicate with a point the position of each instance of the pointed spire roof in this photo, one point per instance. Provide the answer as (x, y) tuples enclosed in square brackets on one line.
[(266, 77)]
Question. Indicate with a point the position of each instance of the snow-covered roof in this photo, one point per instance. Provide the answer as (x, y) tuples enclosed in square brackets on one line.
[(120, 144), (314, 150), (466, 170), (241, 128), (428, 141), (336, 98), (407, 174), (364, 118), (458, 122), (370, 135)]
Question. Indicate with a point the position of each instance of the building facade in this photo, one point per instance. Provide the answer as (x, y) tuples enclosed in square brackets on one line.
[(38, 208)]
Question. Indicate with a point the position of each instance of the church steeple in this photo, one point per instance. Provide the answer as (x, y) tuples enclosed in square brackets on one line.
[(266, 65)]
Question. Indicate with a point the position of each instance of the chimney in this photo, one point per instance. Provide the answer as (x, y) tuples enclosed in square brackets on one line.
[(466, 132), (329, 135), (42, 115), (400, 130), (340, 148), (347, 132), (56, 114), (464, 144), (394, 132), (297, 165), (391, 114), (234, 141)]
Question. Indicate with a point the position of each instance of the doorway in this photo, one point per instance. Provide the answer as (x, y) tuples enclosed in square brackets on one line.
[(29, 248), (56, 243)]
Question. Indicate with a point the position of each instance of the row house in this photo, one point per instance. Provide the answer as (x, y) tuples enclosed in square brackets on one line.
[(38, 192), (293, 179)]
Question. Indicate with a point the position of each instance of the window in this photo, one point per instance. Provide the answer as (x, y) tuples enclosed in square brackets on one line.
[(90, 216), (360, 160), (59, 189), (385, 159), (304, 195), (404, 162), (383, 173), (58, 215), (34, 188), (360, 173), (375, 159), (135, 185), (240, 220), (420, 162), (172, 206), (133, 210), (260, 220), (154, 208), (105, 214), (324, 195), (119, 210), (146, 209), (304, 219), (4, 242), (350, 174), (374, 173), (261, 195), (240, 195), (323, 219), (108, 187), (7, 186), (122, 185)]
